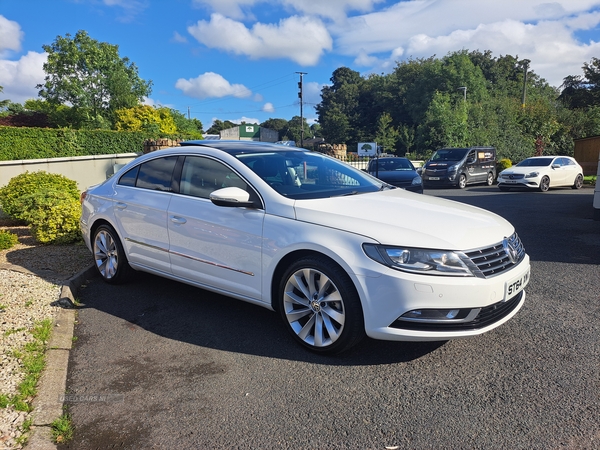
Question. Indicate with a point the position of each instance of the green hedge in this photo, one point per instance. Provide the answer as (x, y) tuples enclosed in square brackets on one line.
[(37, 143)]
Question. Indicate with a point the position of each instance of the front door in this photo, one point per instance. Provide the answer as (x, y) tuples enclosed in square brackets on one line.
[(217, 247)]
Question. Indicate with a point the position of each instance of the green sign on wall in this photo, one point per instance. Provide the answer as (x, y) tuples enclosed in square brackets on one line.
[(249, 131)]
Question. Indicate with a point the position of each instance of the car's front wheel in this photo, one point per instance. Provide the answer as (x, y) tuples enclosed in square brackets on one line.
[(109, 255), (544, 184), (578, 182), (462, 181), (320, 306)]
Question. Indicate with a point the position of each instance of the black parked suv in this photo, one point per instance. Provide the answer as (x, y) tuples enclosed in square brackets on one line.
[(460, 166)]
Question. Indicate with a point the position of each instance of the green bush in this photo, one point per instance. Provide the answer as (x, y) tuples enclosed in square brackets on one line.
[(503, 164), (29, 183), (7, 239), (53, 216)]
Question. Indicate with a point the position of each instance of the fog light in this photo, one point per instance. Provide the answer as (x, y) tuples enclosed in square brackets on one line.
[(440, 315)]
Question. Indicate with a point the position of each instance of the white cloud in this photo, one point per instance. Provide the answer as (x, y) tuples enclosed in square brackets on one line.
[(245, 119), (268, 107), (301, 39), (541, 32), (312, 92), (10, 35), (211, 85), (178, 38), (19, 78)]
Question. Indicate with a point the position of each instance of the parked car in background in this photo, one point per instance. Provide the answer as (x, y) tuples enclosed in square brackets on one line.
[(396, 171), (460, 167), (337, 252), (542, 173)]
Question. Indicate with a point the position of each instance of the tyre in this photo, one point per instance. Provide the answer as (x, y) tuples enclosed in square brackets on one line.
[(462, 181), (578, 182), (544, 184), (109, 255), (320, 306), (490, 179)]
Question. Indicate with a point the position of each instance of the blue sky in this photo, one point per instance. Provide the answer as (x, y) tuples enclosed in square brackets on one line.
[(238, 59)]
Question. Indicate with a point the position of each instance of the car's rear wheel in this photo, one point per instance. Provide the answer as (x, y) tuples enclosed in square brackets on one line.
[(578, 182), (490, 179), (320, 306), (462, 181), (544, 184), (109, 255)]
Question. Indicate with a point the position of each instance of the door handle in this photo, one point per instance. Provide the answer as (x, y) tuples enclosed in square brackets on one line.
[(121, 205), (178, 220)]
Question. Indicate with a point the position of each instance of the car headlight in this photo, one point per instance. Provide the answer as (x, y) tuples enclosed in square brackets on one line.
[(532, 175), (419, 260), (417, 181), (452, 168)]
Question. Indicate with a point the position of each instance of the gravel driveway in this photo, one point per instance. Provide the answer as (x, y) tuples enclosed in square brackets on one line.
[(30, 277)]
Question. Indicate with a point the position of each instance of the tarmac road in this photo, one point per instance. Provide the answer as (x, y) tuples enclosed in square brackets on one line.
[(180, 368)]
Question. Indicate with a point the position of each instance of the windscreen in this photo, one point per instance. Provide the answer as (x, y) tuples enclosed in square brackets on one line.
[(535, 162), (309, 175), (449, 154)]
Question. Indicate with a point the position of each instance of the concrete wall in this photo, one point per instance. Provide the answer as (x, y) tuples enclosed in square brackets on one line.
[(85, 170)]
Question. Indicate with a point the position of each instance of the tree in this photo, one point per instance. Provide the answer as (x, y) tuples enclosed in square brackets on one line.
[(279, 125), (190, 127), (145, 118), (386, 135), (92, 77), (338, 111), (3, 103), (219, 126)]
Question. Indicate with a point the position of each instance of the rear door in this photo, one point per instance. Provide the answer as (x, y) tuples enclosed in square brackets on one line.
[(217, 247), (141, 202)]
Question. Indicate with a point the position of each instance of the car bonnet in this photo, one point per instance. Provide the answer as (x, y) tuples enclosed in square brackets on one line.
[(397, 217)]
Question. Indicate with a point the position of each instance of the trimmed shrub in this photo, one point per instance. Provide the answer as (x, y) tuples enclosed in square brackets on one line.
[(29, 183), (7, 239), (53, 216), (503, 164)]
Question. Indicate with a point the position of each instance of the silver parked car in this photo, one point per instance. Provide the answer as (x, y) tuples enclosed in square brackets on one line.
[(338, 253), (542, 173)]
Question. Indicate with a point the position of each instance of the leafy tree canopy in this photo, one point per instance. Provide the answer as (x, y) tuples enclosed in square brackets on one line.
[(92, 78)]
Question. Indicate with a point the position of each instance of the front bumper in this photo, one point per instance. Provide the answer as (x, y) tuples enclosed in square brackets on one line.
[(529, 183), (479, 304)]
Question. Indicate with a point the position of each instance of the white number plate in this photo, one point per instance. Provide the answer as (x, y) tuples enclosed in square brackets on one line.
[(510, 181), (516, 285), (434, 178)]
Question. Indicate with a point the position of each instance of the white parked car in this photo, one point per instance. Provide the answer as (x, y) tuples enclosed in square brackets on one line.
[(542, 173), (337, 252)]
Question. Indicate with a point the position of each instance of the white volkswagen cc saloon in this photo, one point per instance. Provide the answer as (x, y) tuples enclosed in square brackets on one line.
[(338, 253)]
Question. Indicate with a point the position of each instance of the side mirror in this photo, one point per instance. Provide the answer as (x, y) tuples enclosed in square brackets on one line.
[(231, 197), (555, 166)]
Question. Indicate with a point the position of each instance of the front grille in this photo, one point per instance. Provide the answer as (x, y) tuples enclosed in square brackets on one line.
[(487, 316), (514, 176), (498, 258)]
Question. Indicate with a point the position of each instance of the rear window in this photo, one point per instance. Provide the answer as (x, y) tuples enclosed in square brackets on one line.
[(156, 174)]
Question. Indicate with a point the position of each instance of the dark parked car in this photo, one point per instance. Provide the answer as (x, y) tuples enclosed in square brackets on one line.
[(396, 171)]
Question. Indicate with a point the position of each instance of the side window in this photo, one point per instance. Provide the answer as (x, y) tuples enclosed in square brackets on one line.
[(129, 177), (157, 174), (201, 176), (471, 158)]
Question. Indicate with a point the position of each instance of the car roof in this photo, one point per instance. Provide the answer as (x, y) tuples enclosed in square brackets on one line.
[(237, 147), (389, 157)]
